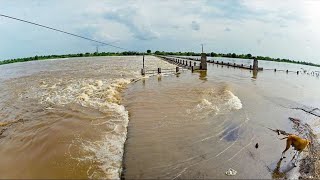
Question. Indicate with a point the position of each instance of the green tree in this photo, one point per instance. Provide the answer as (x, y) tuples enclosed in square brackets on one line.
[(213, 54), (148, 51)]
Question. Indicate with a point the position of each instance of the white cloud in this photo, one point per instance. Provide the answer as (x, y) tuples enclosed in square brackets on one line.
[(286, 29)]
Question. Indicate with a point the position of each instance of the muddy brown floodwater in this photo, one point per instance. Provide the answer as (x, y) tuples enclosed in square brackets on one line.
[(63, 118), (98, 118), (198, 125)]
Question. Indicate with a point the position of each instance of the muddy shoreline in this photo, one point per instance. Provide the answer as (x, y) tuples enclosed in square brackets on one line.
[(309, 165)]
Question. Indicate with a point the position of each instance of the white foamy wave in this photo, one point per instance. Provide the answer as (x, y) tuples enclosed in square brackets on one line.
[(105, 96), (85, 92), (233, 101), (215, 102), (107, 153), (206, 105)]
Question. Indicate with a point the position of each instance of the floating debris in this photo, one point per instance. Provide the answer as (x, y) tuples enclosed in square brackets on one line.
[(231, 172)]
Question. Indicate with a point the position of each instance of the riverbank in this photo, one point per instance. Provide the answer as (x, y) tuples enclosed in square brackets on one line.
[(79, 55), (245, 57)]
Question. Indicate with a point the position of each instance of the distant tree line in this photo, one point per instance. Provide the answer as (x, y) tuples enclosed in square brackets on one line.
[(132, 53), (233, 55), (126, 53)]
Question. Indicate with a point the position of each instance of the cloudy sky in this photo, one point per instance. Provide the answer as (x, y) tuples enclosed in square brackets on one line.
[(285, 29)]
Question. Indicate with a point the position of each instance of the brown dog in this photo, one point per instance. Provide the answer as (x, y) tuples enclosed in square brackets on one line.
[(298, 143)]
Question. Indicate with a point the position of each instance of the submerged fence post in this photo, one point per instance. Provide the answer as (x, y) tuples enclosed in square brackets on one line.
[(143, 61), (143, 72)]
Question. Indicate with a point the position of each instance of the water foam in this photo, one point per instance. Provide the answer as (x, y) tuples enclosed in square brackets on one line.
[(233, 101), (216, 101), (105, 96)]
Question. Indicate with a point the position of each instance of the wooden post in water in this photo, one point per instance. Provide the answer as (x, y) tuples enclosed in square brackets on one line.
[(159, 70), (287, 71), (275, 70), (190, 63), (143, 61), (177, 69), (297, 72), (195, 64)]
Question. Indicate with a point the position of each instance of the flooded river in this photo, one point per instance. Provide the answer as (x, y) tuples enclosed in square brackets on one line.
[(73, 118), (63, 118)]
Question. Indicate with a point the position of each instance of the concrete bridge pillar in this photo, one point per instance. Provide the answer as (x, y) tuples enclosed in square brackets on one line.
[(203, 63), (255, 65)]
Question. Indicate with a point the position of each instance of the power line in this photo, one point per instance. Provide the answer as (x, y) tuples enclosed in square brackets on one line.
[(54, 29)]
